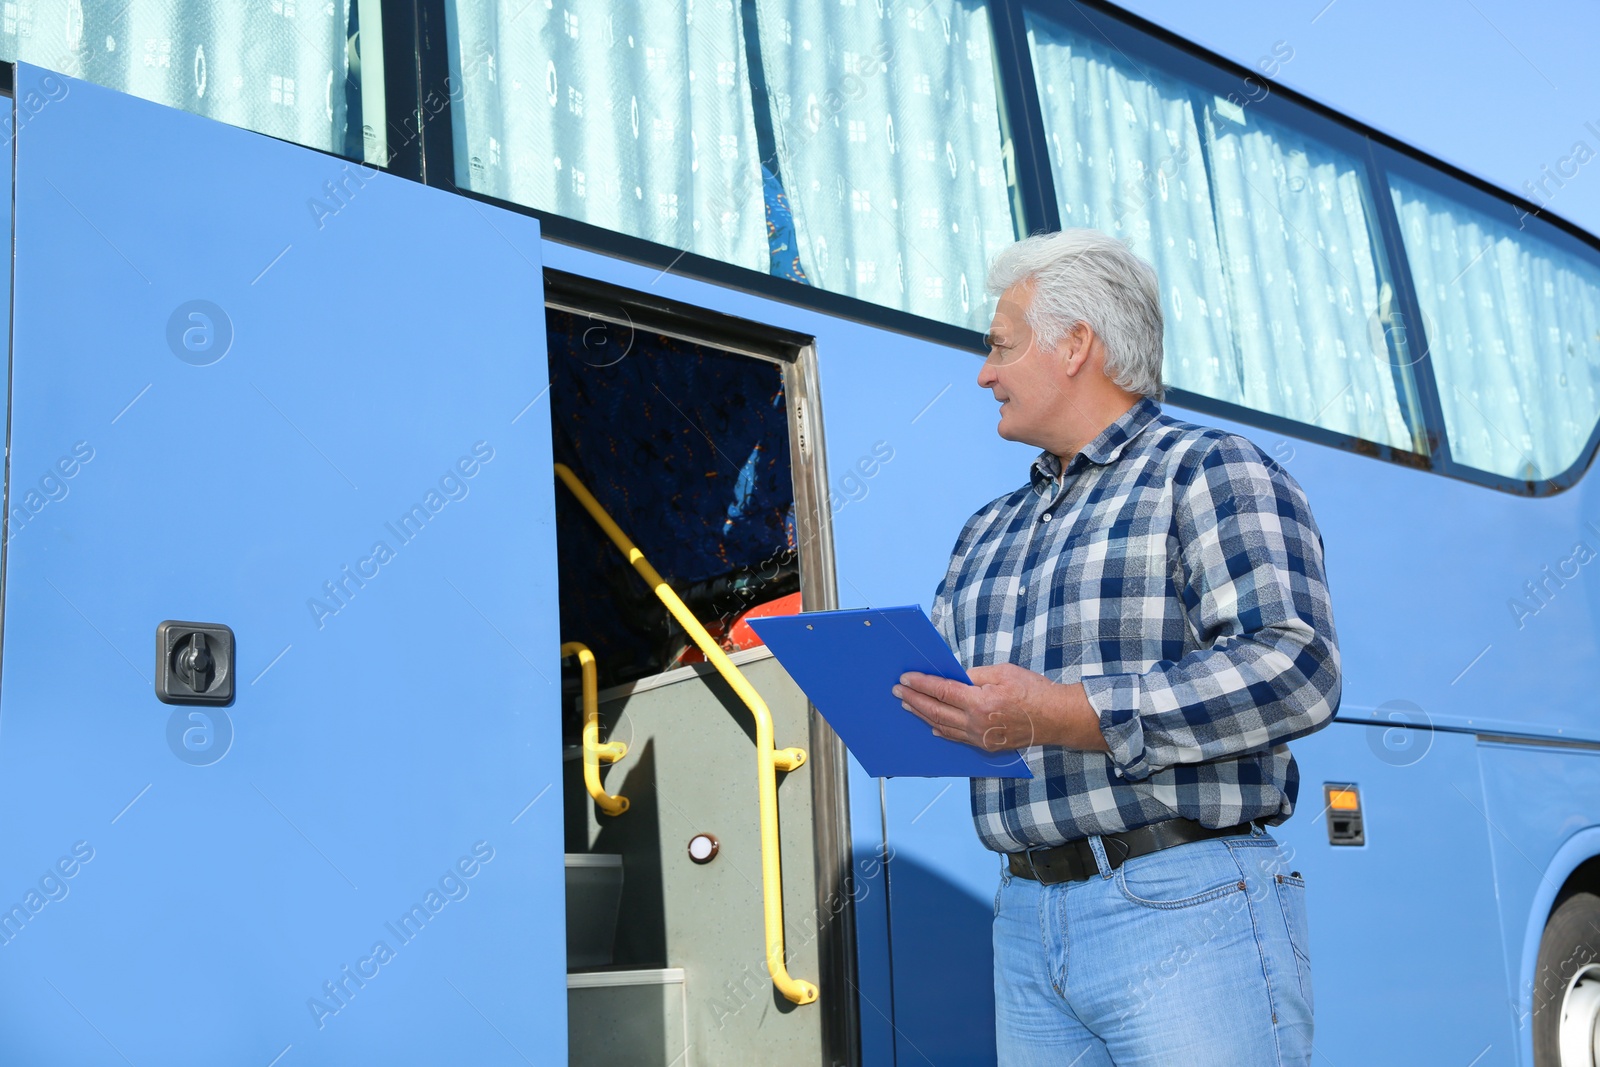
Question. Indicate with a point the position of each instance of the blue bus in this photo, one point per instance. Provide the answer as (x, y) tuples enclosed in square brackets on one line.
[(410, 403)]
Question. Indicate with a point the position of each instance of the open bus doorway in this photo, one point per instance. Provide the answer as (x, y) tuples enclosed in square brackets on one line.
[(693, 433)]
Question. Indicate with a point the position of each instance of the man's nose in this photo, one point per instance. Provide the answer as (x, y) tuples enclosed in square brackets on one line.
[(986, 374)]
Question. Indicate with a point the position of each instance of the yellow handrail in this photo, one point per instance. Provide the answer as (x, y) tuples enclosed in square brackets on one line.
[(768, 759), (593, 750)]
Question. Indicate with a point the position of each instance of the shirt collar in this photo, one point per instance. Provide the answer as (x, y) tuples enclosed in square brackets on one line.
[(1104, 449)]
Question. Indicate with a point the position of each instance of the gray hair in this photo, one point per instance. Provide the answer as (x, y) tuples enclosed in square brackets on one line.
[(1090, 277)]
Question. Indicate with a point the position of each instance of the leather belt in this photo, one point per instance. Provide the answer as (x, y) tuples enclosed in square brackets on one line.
[(1075, 862)]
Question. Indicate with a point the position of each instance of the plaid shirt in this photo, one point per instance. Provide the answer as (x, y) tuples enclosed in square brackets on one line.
[(1177, 573)]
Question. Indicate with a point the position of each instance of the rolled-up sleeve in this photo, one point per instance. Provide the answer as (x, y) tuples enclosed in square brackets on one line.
[(1266, 666)]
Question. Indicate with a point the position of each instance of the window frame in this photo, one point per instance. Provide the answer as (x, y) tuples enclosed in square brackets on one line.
[(419, 97)]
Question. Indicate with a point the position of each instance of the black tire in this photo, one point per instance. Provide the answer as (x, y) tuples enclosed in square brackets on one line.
[(1571, 942)]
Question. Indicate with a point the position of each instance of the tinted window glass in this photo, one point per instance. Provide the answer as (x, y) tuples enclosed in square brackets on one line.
[(309, 72), (886, 123), (632, 116), (1273, 281), (1513, 327)]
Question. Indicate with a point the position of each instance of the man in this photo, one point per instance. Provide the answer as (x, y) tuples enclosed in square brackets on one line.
[(1146, 622)]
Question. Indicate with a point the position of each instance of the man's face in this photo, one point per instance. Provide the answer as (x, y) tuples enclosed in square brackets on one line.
[(1023, 378)]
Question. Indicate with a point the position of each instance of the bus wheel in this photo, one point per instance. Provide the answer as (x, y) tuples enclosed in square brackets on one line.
[(1566, 990)]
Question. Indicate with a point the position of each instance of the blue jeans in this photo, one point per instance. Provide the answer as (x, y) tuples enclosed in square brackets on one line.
[(1194, 955)]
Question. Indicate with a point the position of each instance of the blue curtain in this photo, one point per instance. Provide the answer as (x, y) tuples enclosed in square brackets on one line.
[(1513, 328)]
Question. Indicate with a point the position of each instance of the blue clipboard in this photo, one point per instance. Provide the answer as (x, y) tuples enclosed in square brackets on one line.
[(846, 662)]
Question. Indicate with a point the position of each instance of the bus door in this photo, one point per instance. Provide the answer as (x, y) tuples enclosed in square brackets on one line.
[(280, 774), (690, 432)]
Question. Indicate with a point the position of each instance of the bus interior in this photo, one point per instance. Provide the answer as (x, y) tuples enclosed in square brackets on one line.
[(690, 446)]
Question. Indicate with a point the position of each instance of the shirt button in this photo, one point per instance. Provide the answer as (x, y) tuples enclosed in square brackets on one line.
[(1021, 589), (1118, 770), (1046, 517)]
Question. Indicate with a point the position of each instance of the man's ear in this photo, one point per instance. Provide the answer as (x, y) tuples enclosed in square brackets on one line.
[(1076, 347)]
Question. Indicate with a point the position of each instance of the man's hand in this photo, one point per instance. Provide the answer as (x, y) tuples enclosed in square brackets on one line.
[(1007, 707)]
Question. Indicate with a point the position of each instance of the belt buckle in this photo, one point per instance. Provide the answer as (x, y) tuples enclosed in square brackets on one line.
[(1032, 867)]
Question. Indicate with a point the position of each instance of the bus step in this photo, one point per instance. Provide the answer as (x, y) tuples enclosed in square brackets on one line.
[(594, 894), (627, 1017)]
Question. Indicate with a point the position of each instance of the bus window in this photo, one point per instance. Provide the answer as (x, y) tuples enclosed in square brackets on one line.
[(1513, 331), (886, 123), (1305, 288), (1276, 291), (1126, 155), (306, 72), (630, 117)]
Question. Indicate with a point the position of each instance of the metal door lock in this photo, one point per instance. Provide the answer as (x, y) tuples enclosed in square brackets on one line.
[(194, 663)]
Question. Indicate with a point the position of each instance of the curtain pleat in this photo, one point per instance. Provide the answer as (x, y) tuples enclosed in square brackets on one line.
[(280, 67), (631, 116), (1302, 279), (887, 125), (1261, 237), (1126, 154)]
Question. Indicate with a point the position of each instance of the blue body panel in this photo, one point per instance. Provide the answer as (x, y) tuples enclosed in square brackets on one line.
[(1540, 804), (225, 868), (1405, 932)]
